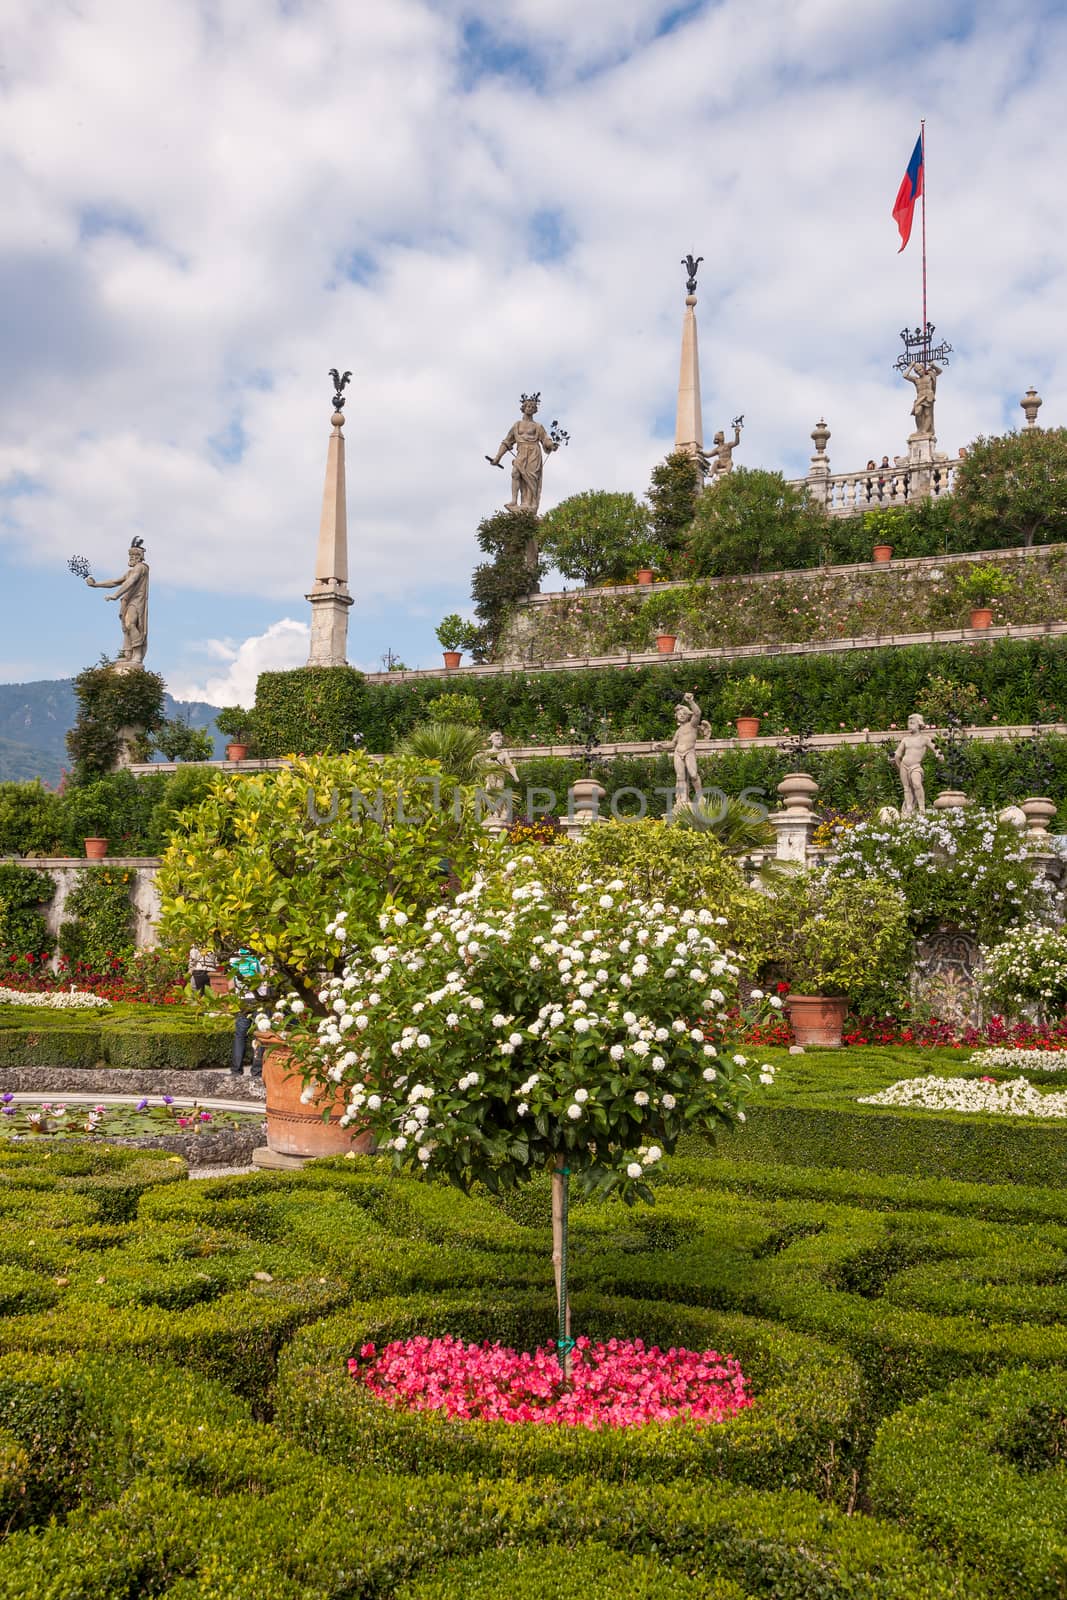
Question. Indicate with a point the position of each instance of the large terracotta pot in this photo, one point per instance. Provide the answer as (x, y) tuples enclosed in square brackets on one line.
[(644, 575), (220, 982), (236, 751), (981, 617), (95, 849), (665, 643), (883, 553), (296, 1129), (747, 727), (453, 658), (817, 1019)]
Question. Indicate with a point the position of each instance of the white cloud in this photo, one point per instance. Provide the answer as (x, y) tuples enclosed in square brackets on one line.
[(283, 645), (209, 206)]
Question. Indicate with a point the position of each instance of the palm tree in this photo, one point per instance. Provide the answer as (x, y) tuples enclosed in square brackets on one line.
[(459, 749), (738, 826)]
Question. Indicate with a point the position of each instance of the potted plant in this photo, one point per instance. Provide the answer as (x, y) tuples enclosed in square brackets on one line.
[(660, 615), (882, 527), (979, 587), (89, 813), (235, 723), (454, 636), (745, 702), (835, 943)]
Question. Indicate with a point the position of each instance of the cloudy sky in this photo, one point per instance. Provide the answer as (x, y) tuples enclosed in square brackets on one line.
[(208, 203)]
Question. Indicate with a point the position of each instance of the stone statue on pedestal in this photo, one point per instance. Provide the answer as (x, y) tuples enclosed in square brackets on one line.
[(924, 375), (682, 747), (908, 760), (131, 591), (530, 443), (500, 764), (721, 455)]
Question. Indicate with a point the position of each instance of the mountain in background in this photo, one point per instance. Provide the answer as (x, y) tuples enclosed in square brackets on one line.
[(35, 717)]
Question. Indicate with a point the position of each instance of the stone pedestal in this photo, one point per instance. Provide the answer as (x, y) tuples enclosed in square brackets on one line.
[(1039, 812), (584, 800), (796, 822), (330, 602), (949, 799)]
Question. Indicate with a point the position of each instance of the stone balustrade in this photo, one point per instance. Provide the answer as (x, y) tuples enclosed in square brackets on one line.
[(844, 494)]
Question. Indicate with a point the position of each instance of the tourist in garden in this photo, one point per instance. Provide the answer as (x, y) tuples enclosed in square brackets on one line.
[(251, 994), (202, 964)]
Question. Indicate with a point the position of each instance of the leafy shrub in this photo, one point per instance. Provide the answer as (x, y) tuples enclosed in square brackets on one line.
[(30, 820), (833, 936), (753, 521), (108, 703), (98, 927), (1013, 487), (596, 535), (23, 931)]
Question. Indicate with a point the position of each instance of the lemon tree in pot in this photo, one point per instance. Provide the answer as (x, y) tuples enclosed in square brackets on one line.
[(454, 636), (235, 724), (836, 943)]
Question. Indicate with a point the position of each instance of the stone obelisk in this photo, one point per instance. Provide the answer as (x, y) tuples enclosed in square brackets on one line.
[(689, 427), (329, 597)]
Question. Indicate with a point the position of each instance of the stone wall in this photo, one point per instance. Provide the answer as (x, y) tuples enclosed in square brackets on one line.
[(144, 895)]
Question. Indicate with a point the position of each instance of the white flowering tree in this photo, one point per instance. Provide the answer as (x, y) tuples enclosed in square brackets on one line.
[(510, 1032)]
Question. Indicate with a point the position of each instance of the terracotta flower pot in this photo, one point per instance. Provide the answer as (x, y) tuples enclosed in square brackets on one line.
[(95, 849), (453, 658), (817, 1019), (883, 553), (644, 575), (220, 982), (665, 643), (747, 727), (981, 617), (236, 752), (297, 1129)]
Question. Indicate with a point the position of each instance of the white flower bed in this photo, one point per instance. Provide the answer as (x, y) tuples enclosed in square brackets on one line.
[(60, 1000), (1015, 1099), (1032, 1060)]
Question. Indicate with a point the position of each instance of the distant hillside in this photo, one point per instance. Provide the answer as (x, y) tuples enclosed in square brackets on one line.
[(35, 717)]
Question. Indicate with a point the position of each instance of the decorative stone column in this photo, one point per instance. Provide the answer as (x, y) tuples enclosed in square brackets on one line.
[(819, 471), (796, 822), (1039, 811), (329, 598)]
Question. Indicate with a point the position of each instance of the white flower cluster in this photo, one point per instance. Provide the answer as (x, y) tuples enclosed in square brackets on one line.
[(1033, 1060), (1018, 1098), (970, 849), (1029, 964), (58, 1000), (507, 1028)]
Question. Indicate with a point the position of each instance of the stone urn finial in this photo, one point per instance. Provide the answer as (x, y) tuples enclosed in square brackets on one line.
[(821, 436), (1031, 402)]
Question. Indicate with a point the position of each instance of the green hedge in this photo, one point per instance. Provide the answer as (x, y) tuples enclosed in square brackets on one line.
[(1021, 681), (33, 1036), (309, 711), (558, 1573), (979, 1471), (796, 1435)]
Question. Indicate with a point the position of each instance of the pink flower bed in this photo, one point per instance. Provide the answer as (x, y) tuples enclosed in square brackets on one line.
[(620, 1384)]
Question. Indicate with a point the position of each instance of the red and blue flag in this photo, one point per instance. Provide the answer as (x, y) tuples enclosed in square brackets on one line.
[(911, 188)]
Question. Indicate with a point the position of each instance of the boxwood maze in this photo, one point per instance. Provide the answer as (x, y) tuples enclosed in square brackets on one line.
[(176, 1417)]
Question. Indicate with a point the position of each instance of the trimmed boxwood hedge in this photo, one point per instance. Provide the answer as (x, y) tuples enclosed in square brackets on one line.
[(155, 1039), (557, 1573), (979, 1470), (797, 1434)]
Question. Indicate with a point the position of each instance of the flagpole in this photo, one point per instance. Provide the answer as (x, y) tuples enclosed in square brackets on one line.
[(922, 140)]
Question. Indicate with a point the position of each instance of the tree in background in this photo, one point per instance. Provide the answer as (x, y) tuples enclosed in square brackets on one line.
[(177, 740), (596, 535), (753, 521), (113, 709), (508, 537), (672, 498), (1014, 486)]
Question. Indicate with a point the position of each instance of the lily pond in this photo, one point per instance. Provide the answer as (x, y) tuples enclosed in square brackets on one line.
[(81, 1119)]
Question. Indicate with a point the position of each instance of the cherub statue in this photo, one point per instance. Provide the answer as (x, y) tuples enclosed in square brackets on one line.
[(908, 760), (682, 747)]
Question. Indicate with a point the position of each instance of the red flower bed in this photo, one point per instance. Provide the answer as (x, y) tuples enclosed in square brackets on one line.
[(620, 1384), (146, 980)]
